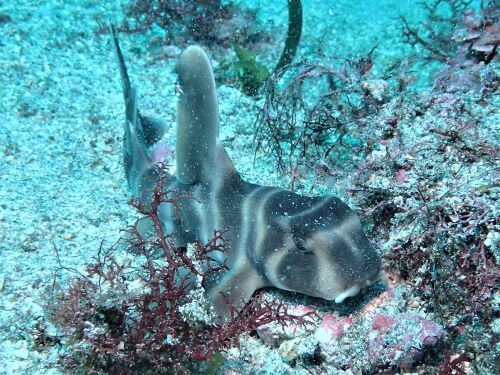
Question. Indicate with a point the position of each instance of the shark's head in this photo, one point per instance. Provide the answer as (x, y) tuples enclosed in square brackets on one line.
[(316, 246)]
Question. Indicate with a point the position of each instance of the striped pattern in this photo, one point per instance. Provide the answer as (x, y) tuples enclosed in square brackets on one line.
[(311, 245), (261, 223)]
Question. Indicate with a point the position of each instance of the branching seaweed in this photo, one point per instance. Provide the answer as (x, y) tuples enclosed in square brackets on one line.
[(193, 20), (121, 318), (296, 133), (435, 34)]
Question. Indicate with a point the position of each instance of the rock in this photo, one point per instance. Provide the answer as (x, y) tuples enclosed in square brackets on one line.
[(383, 333), (377, 88), (287, 350)]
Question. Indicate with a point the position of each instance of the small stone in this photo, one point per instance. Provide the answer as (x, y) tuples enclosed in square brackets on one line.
[(414, 304), (484, 189), (68, 236), (377, 88), (233, 371), (484, 48), (287, 350)]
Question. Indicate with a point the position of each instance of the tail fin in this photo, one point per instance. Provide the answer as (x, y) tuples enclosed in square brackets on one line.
[(198, 118)]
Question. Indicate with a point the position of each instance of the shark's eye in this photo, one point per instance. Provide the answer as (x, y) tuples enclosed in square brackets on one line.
[(299, 242)]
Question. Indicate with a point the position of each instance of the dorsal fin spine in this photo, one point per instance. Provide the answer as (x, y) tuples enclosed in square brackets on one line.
[(198, 119), (135, 157), (123, 67)]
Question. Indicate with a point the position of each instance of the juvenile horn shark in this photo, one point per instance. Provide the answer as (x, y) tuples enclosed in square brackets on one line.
[(311, 245)]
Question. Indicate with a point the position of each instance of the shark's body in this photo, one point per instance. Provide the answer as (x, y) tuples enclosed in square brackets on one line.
[(311, 245)]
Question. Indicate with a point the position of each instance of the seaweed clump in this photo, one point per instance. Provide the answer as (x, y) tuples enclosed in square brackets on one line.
[(208, 22), (434, 35), (122, 318), (476, 40), (296, 133), (464, 40)]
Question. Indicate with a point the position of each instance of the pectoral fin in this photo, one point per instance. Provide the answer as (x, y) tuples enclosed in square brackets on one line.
[(235, 288)]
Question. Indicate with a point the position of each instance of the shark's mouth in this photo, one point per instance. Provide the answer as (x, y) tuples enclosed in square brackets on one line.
[(352, 291)]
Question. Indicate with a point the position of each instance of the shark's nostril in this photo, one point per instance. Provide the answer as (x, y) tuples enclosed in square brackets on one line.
[(373, 280), (373, 272), (367, 282)]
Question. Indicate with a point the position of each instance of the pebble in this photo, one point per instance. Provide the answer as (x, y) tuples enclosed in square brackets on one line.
[(287, 350)]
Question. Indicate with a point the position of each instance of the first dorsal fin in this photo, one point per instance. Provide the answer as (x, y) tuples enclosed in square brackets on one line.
[(127, 87), (198, 119), (139, 133)]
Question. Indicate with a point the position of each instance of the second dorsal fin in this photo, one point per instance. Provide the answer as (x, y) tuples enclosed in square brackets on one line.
[(197, 119)]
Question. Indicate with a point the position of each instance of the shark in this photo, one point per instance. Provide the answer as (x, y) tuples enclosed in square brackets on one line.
[(310, 245)]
